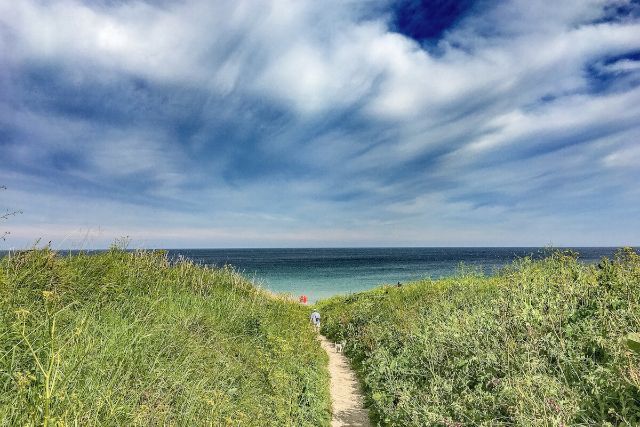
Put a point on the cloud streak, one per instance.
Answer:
(304, 123)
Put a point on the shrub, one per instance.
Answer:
(547, 342)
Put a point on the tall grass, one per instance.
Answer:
(128, 338)
(547, 343)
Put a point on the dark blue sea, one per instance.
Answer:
(320, 273)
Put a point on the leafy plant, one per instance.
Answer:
(633, 342)
(537, 344)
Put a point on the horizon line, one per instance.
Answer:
(333, 247)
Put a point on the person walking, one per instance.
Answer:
(315, 320)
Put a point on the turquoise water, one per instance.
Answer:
(321, 273)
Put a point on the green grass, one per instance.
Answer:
(547, 343)
(127, 338)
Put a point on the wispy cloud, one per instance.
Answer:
(322, 123)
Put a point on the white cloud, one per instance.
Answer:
(372, 117)
(559, 120)
(621, 66)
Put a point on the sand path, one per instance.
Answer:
(347, 400)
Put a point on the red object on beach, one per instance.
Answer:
(303, 299)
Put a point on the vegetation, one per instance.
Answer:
(5, 216)
(552, 342)
(129, 338)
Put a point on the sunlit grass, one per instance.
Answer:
(550, 342)
(124, 338)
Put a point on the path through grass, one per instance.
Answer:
(547, 342)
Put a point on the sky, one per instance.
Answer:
(305, 123)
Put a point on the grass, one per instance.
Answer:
(551, 343)
(129, 338)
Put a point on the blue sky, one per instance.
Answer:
(333, 123)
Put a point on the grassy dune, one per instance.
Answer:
(124, 338)
(542, 343)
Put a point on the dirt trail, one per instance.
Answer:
(347, 400)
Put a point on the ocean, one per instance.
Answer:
(321, 273)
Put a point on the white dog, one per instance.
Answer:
(340, 346)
